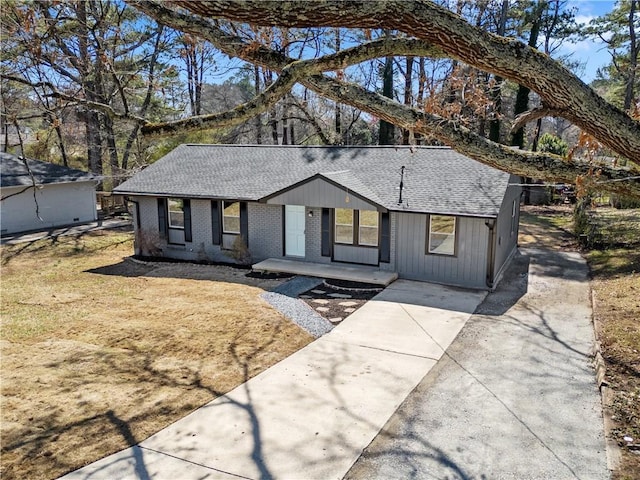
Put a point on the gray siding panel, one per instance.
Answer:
(319, 193)
(506, 237)
(313, 237)
(353, 254)
(467, 268)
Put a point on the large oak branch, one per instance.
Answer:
(509, 58)
(544, 166)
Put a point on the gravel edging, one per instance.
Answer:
(285, 299)
(299, 312)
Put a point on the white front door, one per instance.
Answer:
(294, 226)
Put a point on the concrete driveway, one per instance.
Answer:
(311, 415)
(515, 395)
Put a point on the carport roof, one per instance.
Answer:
(436, 179)
(15, 174)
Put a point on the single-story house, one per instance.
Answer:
(61, 196)
(425, 213)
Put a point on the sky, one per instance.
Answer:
(592, 52)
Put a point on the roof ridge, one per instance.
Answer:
(395, 147)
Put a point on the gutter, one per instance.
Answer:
(491, 253)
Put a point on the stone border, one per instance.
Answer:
(613, 450)
(356, 290)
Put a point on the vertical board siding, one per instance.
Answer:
(320, 193)
(467, 268)
(353, 254)
(508, 242)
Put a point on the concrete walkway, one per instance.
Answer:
(515, 395)
(311, 415)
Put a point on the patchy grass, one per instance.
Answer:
(548, 227)
(99, 352)
(615, 271)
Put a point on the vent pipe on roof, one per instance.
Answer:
(401, 184)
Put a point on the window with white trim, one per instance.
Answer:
(176, 213)
(231, 217)
(441, 237)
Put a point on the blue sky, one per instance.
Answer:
(592, 52)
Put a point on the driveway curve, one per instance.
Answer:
(514, 396)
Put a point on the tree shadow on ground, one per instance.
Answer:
(73, 245)
(130, 267)
(40, 444)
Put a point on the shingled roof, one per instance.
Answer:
(436, 179)
(13, 172)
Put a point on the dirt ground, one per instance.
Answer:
(99, 351)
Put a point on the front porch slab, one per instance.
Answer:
(353, 273)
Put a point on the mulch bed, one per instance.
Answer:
(337, 300)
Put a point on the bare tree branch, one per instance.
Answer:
(424, 20)
(530, 164)
(534, 114)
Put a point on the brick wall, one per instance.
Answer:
(265, 231)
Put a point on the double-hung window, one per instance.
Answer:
(231, 217)
(344, 225)
(368, 224)
(357, 227)
(441, 238)
(174, 220)
(176, 213)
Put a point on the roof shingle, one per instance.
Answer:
(436, 179)
(14, 173)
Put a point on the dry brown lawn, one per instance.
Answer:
(99, 352)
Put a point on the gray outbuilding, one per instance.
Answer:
(44, 195)
(426, 213)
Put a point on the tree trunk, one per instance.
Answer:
(408, 95)
(496, 92)
(258, 120)
(387, 134)
(633, 58)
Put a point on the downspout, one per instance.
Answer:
(137, 224)
(491, 252)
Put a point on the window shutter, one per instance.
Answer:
(244, 223)
(326, 242)
(137, 206)
(385, 238)
(163, 226)
(186, 209)
(215, 222)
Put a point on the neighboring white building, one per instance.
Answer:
(61, 196)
